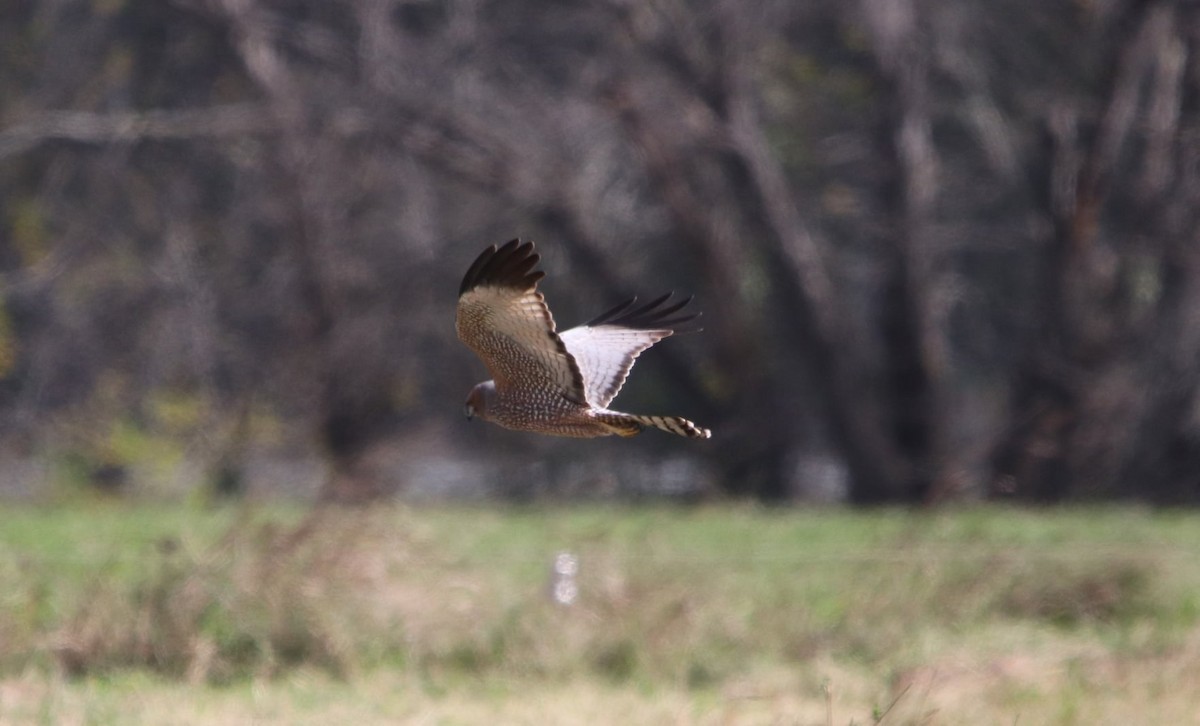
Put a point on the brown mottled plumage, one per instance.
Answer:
(546, 382)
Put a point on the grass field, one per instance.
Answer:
(126, 614)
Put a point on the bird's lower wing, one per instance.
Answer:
(605, 354)
(606, 347)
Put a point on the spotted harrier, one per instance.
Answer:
(548, 382)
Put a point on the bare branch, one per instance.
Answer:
(239, 119)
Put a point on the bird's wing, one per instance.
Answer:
(606, 347)
(504, 319)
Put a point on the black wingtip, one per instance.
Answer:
(612, 313)
(510, 265)
(654, 315)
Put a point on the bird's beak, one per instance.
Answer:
(470, 412)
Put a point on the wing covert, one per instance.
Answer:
(503, 318)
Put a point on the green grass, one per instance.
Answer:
(136, 613)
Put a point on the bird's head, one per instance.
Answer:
(477, 402)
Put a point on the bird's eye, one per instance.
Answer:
(469, 410)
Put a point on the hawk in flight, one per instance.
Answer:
(549, 382)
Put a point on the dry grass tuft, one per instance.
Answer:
(1068, 594)
(264, 599)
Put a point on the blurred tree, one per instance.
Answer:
(1103, 400)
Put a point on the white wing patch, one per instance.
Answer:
(605, 354)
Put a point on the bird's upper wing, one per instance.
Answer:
(504, 319)
(606, 347)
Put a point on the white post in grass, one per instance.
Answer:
(564, 587)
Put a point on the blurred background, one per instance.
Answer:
(945, 249)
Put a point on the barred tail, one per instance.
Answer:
(628, 424)
(676, 425)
